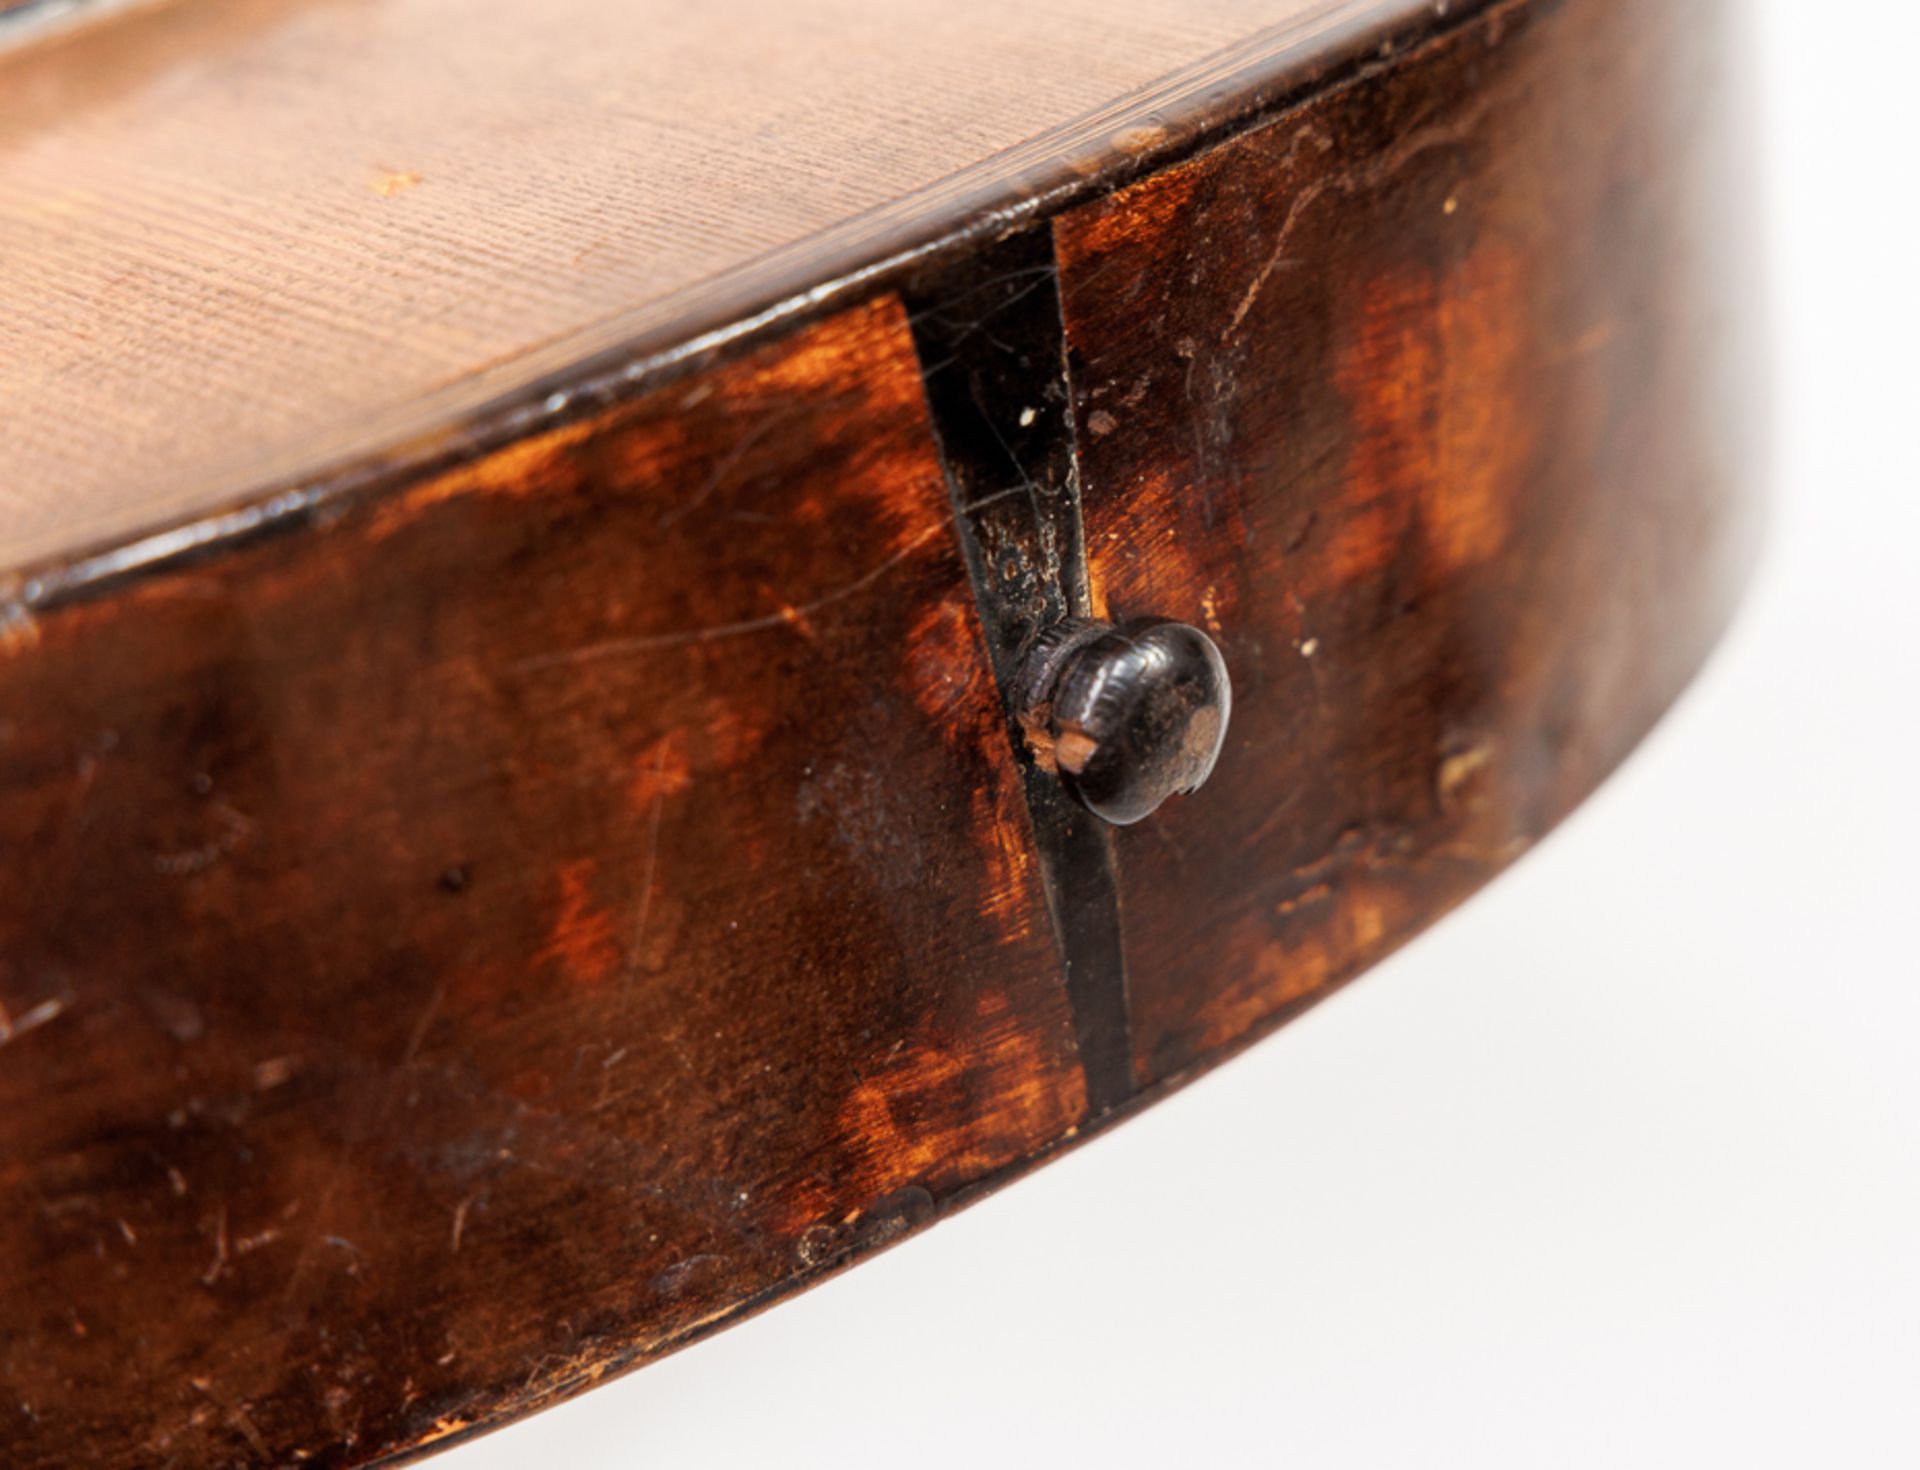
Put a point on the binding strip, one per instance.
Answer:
(992, 350)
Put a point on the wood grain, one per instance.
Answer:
(245, 238)
(480, 919)
(470, 949)
(1428, 401)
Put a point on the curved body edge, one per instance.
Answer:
(481, 929)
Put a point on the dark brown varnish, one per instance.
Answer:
(993, 358)
(1415, 397)
(483, 928)
(462, 951)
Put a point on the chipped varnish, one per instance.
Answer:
(570, 884)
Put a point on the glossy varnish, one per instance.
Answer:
(481, 953)
(579, 878)
(1425, 397)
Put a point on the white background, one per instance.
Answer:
(1618, 1166)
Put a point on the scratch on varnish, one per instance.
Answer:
(419, 1035)
(644, 909)
(460, 1221)
(791, 615)
(219, 1267)
(236, 1415)
(728, 463)
(617, 647)
(13, 1027)
(235, 826)
(364, 1125)
(1390, 163)
(606, 1077)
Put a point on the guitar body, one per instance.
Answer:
(524, 843)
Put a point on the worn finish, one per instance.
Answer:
(989, 335)
(351, 223)
(455, 953)
(1424, 396)
(475, 922)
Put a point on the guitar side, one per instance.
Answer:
(564, 883)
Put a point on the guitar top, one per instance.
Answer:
(245, 244)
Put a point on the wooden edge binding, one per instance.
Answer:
(1454, 484)
(992, 350)
(690, 331)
